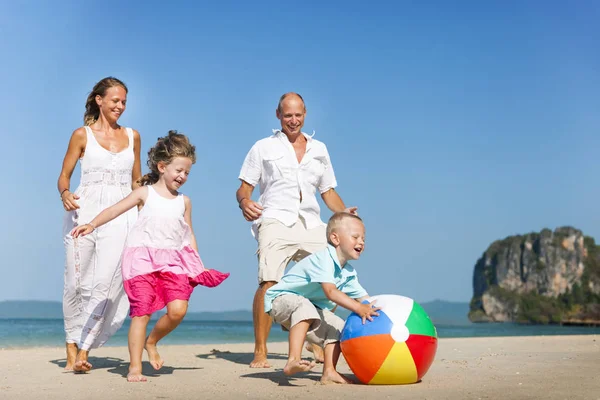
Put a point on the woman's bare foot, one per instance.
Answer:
(260, 361)
(82, 364)
(334, 377)
(155, 360)
(294, 366)
(317, 352)
(71, 356)
(135, 375)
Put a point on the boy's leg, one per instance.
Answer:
(295, 362)
(298, 315)
(176, 310)
(328, 336)
(137, 334)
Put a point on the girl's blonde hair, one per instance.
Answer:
(92, 112)
(165, 150)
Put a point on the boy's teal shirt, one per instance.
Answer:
(306, 276)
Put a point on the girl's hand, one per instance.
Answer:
(82, 230)
(68, 200)
(367, 312)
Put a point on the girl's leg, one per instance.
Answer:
(137, 333)
(332, 355)
(295, 363)
(176, 310)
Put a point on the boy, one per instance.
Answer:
(302, 301)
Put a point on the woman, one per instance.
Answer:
(94, 303)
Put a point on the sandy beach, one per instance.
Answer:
(544, 367)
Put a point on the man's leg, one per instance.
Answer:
(262, 326)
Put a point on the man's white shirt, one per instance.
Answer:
(272, 164)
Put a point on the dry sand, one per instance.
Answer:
(544, 367)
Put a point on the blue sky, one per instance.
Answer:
(449, 124)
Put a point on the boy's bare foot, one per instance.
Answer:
(71, 356)
(260, 361)
(334, 377)
(155, 360)
(135, 375)
(317, 352)
(295, 366)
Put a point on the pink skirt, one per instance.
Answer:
(152, 292)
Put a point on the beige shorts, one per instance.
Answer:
(289, 309)
(279, 244)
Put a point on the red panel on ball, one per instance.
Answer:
(423, 350)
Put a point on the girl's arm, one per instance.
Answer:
(135, 198)
(187, 216)
(74, 152)
(136, 172)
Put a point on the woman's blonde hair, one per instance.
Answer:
(165, 150)
(92, 112)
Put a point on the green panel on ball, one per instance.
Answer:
(419, 323)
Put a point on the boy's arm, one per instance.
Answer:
(365, 311)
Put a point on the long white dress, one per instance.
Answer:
(94, 302)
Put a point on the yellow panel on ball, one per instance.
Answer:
(398, 368)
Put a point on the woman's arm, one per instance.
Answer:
(136, 172)
(74, 152)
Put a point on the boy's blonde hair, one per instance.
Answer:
(336, 221)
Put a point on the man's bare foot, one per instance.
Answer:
(135, 375)
(295, 366)
(155, 360)
(260, 361)
(334, 377)
(71, 356)
(317, 352)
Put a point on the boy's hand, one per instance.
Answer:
(367, 312)
(82, 230)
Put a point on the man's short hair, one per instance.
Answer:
(337, 220)
(285, 95)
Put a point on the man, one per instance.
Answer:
(290, 166)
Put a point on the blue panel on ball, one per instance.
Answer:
(354, 327)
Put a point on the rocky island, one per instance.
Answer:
(545, 277)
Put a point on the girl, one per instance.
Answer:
(94, 303)
(160, 262)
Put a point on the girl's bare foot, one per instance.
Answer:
(155, 360)
(135, 375)
(294, 366)
(71, 356)
(334, 377)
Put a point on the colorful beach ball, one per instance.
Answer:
(397, 347)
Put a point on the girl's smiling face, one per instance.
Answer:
(175, 173)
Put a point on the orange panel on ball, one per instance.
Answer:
(366, 354)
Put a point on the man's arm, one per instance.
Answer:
(334, 202)
(250, 209)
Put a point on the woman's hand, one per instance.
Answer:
(68, 200)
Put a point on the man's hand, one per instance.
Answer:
(352, 210)
(250, 209)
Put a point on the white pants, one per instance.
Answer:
(94, 302)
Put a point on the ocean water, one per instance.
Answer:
(16, 333)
